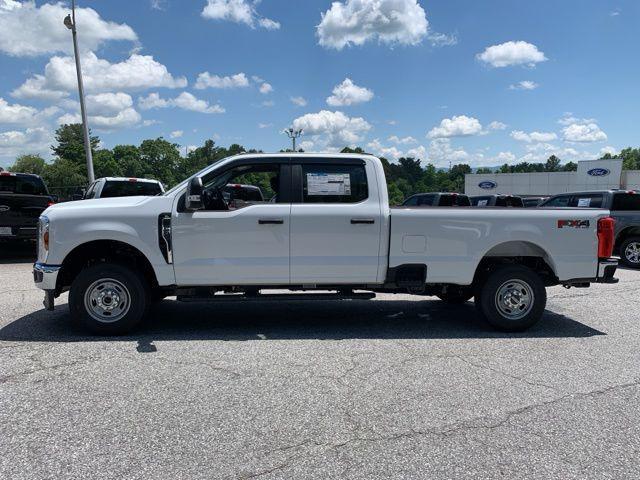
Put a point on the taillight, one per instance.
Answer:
(605, 237)
(49, 203)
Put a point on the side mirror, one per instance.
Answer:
(193, 200)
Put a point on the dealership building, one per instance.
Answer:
(591, 175)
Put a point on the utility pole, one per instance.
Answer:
(293, 134)
(70, 23)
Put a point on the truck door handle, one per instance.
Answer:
(270, 221)
(362, 221)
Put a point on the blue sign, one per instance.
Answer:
(487, 185)
(599, 172)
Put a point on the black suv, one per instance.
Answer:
(497, 201)
(23, 197)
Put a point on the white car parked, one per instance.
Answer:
(328, 226)
(109, 187)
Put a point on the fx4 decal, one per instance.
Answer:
(573, 223)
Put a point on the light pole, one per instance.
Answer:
(70, 23)
(293, 134)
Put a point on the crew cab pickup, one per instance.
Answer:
(437, 199)
(624, 206)
(109, 187)
(327, 227)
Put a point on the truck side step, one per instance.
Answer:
(278, 297)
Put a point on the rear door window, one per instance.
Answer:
(334, 183)
(411, 202)
(587, 200)
(626, 201)
(20, 185)
(129, 189)
(426, 200)
(561, 201)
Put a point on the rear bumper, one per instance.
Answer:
(606, 270)
(45, 276)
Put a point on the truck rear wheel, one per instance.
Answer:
(108, 299)
(512, 298)
(630, 252)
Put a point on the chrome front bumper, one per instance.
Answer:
(45, 276)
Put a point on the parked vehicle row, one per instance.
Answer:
(327, 227)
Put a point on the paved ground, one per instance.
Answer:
(393, 388)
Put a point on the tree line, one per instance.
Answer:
(161, 159)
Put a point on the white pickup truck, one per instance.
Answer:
(324, 224)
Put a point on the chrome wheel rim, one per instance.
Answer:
(514, 299)
(107, 300)
(632, 252)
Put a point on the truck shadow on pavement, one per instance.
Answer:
(295, 320)
(17, 252)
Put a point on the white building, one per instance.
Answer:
(591, 175)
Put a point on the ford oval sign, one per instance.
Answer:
(599, 172)
(488, 185)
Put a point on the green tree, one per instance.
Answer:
(552, 165)
(161, 160)
(65, 173)
(70, 143)
(570, 167)
(29, 164)
(105, 165)
(630, 158)
(396, 197)
(484, 171)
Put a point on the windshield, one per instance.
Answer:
(129, 189)
(26, 185)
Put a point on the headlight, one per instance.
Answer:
(43, 239)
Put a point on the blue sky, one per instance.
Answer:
(447, 81)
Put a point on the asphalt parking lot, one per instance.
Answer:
(396, 387)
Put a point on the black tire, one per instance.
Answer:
(627, 257)
(115, 282)
(522, 292)
(456, 296)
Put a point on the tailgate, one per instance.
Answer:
(20, 213)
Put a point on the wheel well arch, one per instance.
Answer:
(625, 233)
(519, 252)
(103, 251)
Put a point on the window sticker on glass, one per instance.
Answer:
(482, 203)
(328, 184)
(584, 202)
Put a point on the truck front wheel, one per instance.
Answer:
(108, 299)
(512, 298)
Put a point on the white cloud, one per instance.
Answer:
(265, 125)
(128, 117)
(348, 93)
(533, 137)
(354, 22)
(108, 103)
(307, 145)
(610, 150)
(512, 53)
(457, 126)
(185, 101)
(495, 125)
(18, 142)
(335, 129)
(441, 152)
(238, 11)
(524, 85)
(380, 150)
(206, 80)
(266, 88)
(583, 132)
(504, 157)
(402, 141)
(176, 134)
(158, 4)
(138, 72)
(442, 39)
(16, 114)
(28, 30)
(299, 101)
(268, 103)
(418, 152)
